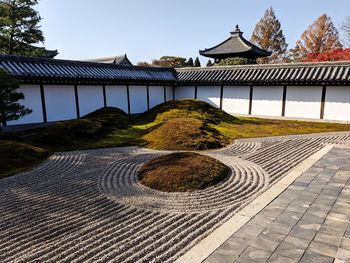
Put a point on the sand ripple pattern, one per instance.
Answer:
(245, 180)
(88, 206)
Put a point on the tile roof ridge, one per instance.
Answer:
(282, 65)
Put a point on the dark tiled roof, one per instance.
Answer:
(44, 69)
(236, 45)
(270, 74)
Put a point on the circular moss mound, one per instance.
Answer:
(184, 134)
(182, 172)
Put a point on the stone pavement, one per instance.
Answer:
(308, 222)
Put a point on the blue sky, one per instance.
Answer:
(148, 29)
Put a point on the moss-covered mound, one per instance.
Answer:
(179, 172)
(187, 108)
(184, 134)
(110, 117)
(186, 124)
(16, 157)
(70, 134)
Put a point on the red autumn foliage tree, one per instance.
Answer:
(337, 54)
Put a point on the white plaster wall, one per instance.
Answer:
(337, 103)
(90, 99)
(156, 95)
(303, 102)
(210, 94)
(169, 93)
(60, 102)
(32, 100)
(267, 100)
(116, 96)
(236, 99)
(138, 99)
(185, 92)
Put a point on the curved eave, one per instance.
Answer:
(247, 54)
(247, 50)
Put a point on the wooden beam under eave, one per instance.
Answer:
(221, 96)
(284, 100)
(43, 104)
(250, 99)
(128, 97)
(104, 96)
(147, 87)
(164, 93)
(323, 100)
(77, 100)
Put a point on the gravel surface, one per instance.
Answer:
(88, 206)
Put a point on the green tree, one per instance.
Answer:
(233, 61)
(10, 109)
(19, 28)
(197, 63)
(169, 61)
(209, 63)
(294, 54)
(269, 36)
(321, 36)
(189, 63)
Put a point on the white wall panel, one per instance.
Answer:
(337, 103)
(267, 100)
(210, 94)
(90, 99)
(236, 99)
(32, 100)
(116, 96)
(185, 92)
(60, 102)
(138, 99)
(156, 95)
(303, 102)
(169, 93)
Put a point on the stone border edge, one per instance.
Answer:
(214, 240)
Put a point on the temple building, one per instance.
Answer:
(235, 46)
(119, 60)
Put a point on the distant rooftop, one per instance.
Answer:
(235, 46)
(120, 60)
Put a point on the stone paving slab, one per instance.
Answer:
(308, 222)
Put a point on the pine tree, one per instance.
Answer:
(197, 63)
(189, 63)
(320, 37)
(19, 28)
(9, 108)
(269, 36)
(209, 64)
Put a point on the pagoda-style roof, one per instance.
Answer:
(235, 46)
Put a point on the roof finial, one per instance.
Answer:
(236, 31)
